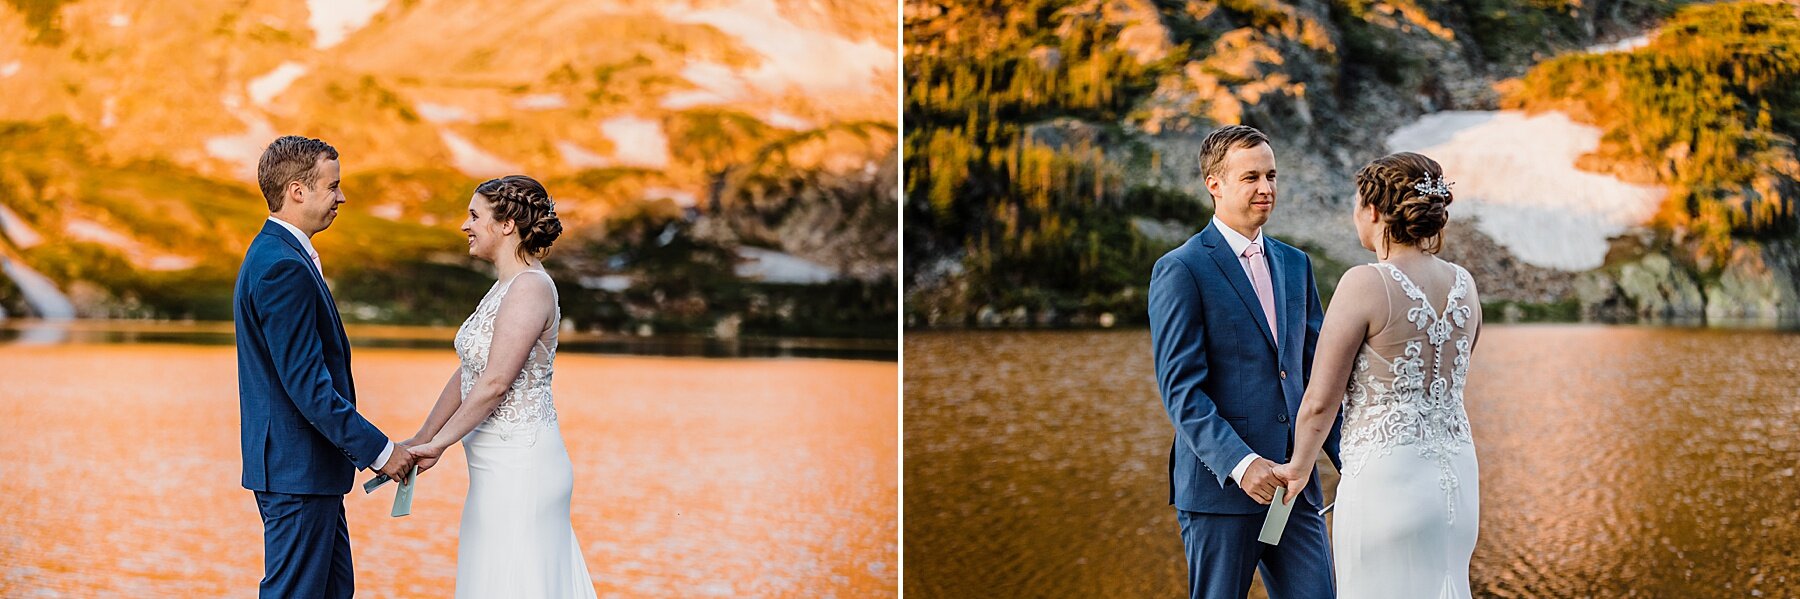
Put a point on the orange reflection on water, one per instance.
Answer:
(1615, 462)
(119, 473)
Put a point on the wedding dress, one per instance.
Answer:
(1409, 501)
(516, 538)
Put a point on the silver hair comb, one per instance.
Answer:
(1434, 187)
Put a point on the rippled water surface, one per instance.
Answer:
(1615, 462)
(119, 473)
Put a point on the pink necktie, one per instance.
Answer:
(316, 264)
(1259, 278)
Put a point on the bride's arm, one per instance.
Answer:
(1360, 301)
(524, 313)
(447, 401)
(1474, 299)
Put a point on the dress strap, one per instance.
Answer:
(1463, 278)
(1387, 292)
(515, 277)
(554, 295)
(555, 299)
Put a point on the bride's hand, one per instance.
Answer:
(1296, 476)
(426, 455)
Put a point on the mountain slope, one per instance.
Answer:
(1060, 138)
(154, 115)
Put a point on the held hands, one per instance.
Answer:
(399, 463)
(425, 453)
(1263, 476)
(1260, 481)
(1296, 476)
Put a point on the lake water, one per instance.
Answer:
(119, 470)
(1615, 462)
(42, 332)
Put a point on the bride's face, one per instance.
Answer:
(486, 237)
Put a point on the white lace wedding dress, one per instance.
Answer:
(516, 539)
(1409, 501)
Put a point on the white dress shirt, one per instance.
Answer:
(1238, 242)
(306, 244)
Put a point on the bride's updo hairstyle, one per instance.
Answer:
(524, 201)
(1409, 192)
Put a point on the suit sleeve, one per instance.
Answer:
(1315, 318)
(1178, 339)
(287, 308)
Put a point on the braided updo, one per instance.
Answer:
(524, 201)
(1391, 184)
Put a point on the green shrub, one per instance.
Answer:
(1711, 109)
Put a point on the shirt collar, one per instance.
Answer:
(295, 231)
(1236, 240)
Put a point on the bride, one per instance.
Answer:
(1394, 352)
(516, 539)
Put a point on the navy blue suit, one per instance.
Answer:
(301, 436)
(1230, 388)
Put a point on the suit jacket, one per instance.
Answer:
(300, 432)
(1228, 387)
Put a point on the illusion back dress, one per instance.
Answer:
(516, 538)
(1409, 501)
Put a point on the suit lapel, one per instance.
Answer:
(1234, 274)
(287, 238)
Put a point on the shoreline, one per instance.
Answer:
(32, 331)
(1693, 325)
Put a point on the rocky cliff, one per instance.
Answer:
(1331, 82)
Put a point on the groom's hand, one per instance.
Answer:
(1260, 481)
(399, 464)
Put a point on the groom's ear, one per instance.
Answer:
(293, 191)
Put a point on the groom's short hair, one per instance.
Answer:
(1222, 140)
(290, 158)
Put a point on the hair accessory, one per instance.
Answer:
(1434, 187)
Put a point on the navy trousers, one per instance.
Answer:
(1223, 554)
(306, 546)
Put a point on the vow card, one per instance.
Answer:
(403, 497)
(1277, 519)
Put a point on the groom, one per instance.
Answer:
(301, 435)
(1234, 317)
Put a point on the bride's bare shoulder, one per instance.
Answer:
(1458, 272)
(1362, 277)
(1362, 286)
(529, 291)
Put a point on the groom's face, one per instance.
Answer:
(1243, 190)
(318, 204)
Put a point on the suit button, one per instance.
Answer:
(1281, 418)
(1284, 375)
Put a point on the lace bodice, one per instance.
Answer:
(1406, 390)
(528, 403)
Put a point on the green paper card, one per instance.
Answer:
(403, 497)
(1277, 519)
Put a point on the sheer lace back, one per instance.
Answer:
(1406, 390)
(528, 404)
